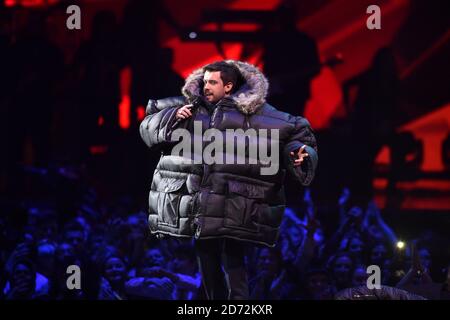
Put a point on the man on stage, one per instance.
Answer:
(224, 204)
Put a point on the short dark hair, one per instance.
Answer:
(228, 73)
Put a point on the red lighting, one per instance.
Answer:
(125, 103)
(231, 27)
(326, 98)
(100, 121)
(124, 112)
(140, 113)
(98, 149)
(10, 3)
(29, 3)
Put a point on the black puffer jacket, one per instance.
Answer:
(223, 200)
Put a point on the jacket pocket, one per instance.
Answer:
(169, 193)
(243, 204)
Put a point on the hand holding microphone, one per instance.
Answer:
(184, 112)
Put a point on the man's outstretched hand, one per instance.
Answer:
(299, 156)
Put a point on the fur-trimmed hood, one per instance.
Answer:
(249, 97)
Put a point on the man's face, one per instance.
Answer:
(214, 88)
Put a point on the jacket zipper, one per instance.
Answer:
(202, 183)
(205, 167)
(247, 123)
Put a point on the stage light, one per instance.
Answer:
(400, 245)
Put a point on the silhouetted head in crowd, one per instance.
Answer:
(359, 277)
(74, 234)
(42, 224)
(154, 258)
(295, 236)
(379, 253)
(317, 284)
(85, 225)
(65, 252)
(65, 256)
(382, 255)
(184, 260)
(136, 224)
(46, 258)
(341, 267)
(23, 279)
(355, 215)
(374, 233)
(270, 261)
(356, 246)
(115, 270)
(424, 255)
(425, 258)
(95, 241)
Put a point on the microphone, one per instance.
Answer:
(196, 102)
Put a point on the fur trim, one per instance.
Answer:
(250, 96)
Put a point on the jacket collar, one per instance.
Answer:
(250, 96)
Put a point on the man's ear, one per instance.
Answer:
(228, 87)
